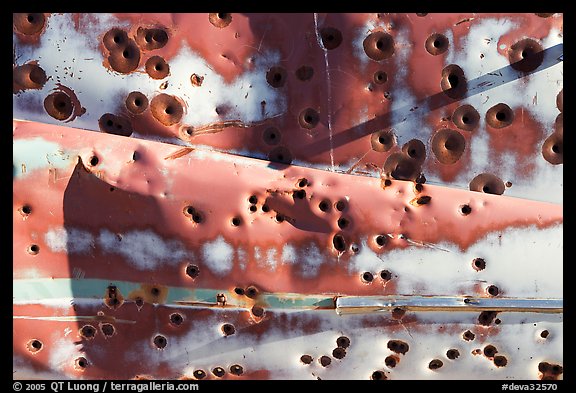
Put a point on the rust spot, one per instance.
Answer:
(116, 125)
(448, 146)
(199, 374)
(280, 154)
(228, 329)
(391, 361)
(107, 329)
(157, 67)
(28, 76)
(490, 351)
(401, 167)
(87, 331)
(59, 105)
(339, 242)
(378, 375)
(113, 298)
(435, 364)
(398, 313)
(453, 82)
(309, 118)
(304, 73)
(492, 290)
(343, 342)
(466, 117)
(166, 109)
(271, 136)
(34, 346)
(251, 292)
(415, 149)
(380, 77)
(28, 24)
(553, 149)
(526, 55)
(176, 319)
(452, 354)
(276, 76)
(544, 333)
(33, 249)
(500, 361)
(487, 317)
(499, 116)
(160, 341)
(468, 335)
(465, 209)
(151, 38)
(136, 103)
(220, 19)
(325, 361)
(306, 359)
(236, 369)
(385, 275)
(257, 311)
(331, 37)
(487, 183)
(379, 45)
(436, 44)
(560, 100)
(478, 264)
(398, 346)
(382, 141)
(339, 353)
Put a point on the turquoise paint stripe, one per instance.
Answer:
(31, 290)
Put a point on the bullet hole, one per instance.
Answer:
(497, 321)
(194, 214)
(136, 103)
(379, 45)
(398, 346)
(490, 351)
(354, 248)
(251, 292)
(452, 354)
(544, 367)
(436, 44)
(385, 275)
(28, 24)
(221, 299)
(160, 341)
(253, 199)
(331, 37)
(28, 76)
(478, 264)
(220, 19)
(508, 184)
(423, 200)
(236, 369)
(487, 183)
(400, 166)
(257, 311)
(139, 302)
(124, 55)
(382, 141)
(279, 218)
(324, 205)
(493, 290)
(341, 205)
(421, 14)
(343, 342)
(435, 364)
(544, 333)
(556, 369)
(338, 353)
(276, 77)
(343, 222)
(308, 118)
(367, 277)
(113, 299)
(25, 210)
(280, 154)
(398, 313)
(560, 100)
(466, 117)
(114, 39)
(59, 105)
(391, 361)
(236, 221)
(378, 375)
(302, 182)
(176, 319)
(553, 149)
(500, 361)
(151, 38)
(465, 210)
(486, 317)
(381, 240)
(107, 329)
(80, 363)
(265, 208)
(304, 73)
(306, 359)
(468, 335)
(448, 146)
(88, 332)
(33, 249)
(34, 345)
(339, 243)
(228, 329)
(253, 208)
(526, 55)
(199, 374)
(415, 149)
(453, 82)
(499, 116)
(166, 109)
(157, 68)
(380, 77)
(239, 291)
(299, 194)
(192, 271)
(325, 361)
(272, 136)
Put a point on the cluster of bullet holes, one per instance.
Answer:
(368, 277)
(549, 371)
(28, 23)
(34, 346)
(113, 298)
(490, 351)
(398, 346)
(342, 343)
(487, 317)
(193, 214)
(117, 125)
(151, 38)
(253, 200)
(166, 109)
(437, 44)
(220, 19)
(448, 146)
(80, 363)
(378, 45)
(499, 116)
(28, 76)
(124, 54)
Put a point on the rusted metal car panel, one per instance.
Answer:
(299, 196)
